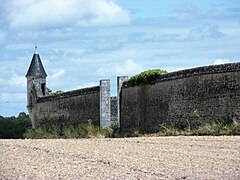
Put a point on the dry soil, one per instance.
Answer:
(128, 158)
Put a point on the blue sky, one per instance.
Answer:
(83, 41)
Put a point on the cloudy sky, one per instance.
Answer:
(82, 41)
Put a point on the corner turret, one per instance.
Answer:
(36, 82)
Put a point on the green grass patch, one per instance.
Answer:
(88, 130)
(42, 133)
(215, 128)
(20, 127)
(218, 128)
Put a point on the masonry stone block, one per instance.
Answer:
(105, 103)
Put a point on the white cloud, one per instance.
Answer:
(103, 72)
(13, 97)
(129, 67)
(55, 79)
(65, 13)
(221, 61)
(57, 73)
(206, 31)
(86, 85)
(17, 80)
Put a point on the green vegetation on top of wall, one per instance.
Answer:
(146, 77)
(54, 92)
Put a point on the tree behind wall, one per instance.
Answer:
(14, 127)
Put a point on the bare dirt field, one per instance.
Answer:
(130, 158)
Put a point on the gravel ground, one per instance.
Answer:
(130, 158)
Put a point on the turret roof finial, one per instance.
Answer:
(36, 51)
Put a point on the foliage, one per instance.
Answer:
(42, 133)
(115, 131)
(88, 130)
(218, 128)
(223, 126)
(49, 90)
(20, 127)
(54, 92)
(58, 92)
(146, 77)
(14, 127)
(82, 131)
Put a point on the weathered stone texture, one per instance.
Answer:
(114, 107)
(120, 81)
(105, 103)
(183, 98)
(72, 107)
(35, 90)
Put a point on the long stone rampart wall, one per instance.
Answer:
(73, 107)
(185, 99)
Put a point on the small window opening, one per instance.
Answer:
(43, 88)
(30, 98)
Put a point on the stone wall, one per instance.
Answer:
(71, 107)
(114, 108)
(184, 98)
(120, 81)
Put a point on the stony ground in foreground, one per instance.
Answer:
(129, 158)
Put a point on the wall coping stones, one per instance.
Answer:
(211, 69)
(90, 90)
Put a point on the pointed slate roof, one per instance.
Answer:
(36, 67)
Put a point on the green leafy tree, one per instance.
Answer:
(14, 127)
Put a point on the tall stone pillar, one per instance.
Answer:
(120, 80)
(105, 103)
